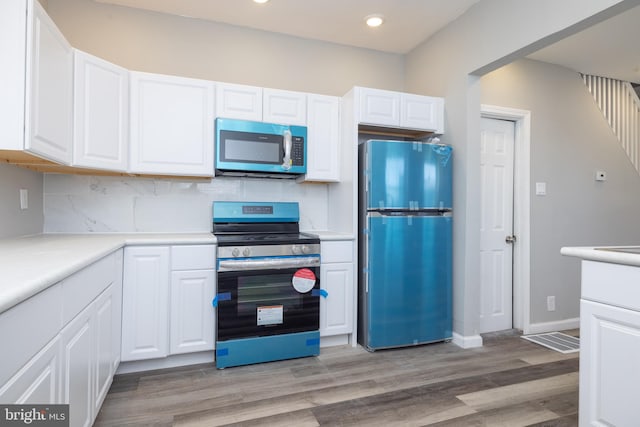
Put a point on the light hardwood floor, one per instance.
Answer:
(508, 382)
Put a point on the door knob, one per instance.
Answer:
(510, 239)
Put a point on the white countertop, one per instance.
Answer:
(30, 264)
(330, 235)
(603, 254)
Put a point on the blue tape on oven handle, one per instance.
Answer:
(225, 296)
(319, 293)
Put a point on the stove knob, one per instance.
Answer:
(246, 252)
(305, 249)
(295, 250)
(235, 252)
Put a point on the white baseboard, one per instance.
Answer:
(470, 341)
(334, 340)
(166, 362)
(559, 325)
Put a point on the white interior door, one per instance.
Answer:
(496, 253)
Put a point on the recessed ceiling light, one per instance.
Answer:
(260, 1)
(374, 20)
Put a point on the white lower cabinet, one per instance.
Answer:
(145, 296)
(107, 320)
(336, 277)
(79, 361)
(609, 354)
(192, 316)
(609, 344)
(167, 301)
(39, 380)
(77, 365)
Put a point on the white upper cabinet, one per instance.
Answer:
(285, 107)
(101, 114)
(238, 102)
(36, 81)
(50, 92)
(379, 107)
(172, 121)
(422, 112)
(402, 110)
(261, 105)
(323, 138)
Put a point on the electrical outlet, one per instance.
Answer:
(551, 303)
(24, 198)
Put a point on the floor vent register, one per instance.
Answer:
(557, 341)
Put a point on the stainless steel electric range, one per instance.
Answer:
(267, 303)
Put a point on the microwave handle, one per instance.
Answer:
(286, 161)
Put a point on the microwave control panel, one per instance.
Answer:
(297, 151)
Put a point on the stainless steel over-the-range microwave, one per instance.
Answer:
(246, 148)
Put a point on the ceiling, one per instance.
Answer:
(610, 49)
(407, 22)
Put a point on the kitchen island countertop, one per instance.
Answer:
(30, 264)
(627, 255)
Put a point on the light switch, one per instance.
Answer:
(541, 188)
(24, 198)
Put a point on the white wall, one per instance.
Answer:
(74, 203)
(159, 43)
(166, 44)
(492, 33)
(13, 220)
(570, 140)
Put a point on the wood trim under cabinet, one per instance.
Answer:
(394, 132)
(38, 164)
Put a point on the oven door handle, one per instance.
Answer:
(267, 264)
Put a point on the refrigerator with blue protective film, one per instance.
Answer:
(405, 243)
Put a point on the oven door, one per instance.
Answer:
(255, 303)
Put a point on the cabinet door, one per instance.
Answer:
(336, 310)
(13, 47)
(323, 138)
(609, 354)
(239, 102)
(192, 315)
(422, 112)
(145, 299)
(379, 107)
(117, 310)
(285, 107)
(79, 364)
(105, 352)
(101, 113)
(38, 381)
(49, 91)
(172, 122)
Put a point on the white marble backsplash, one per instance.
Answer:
(82, 204)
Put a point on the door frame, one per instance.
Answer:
(521, 209)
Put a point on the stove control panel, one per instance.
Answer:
(268, 250)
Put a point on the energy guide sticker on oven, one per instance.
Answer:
(270, 315)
